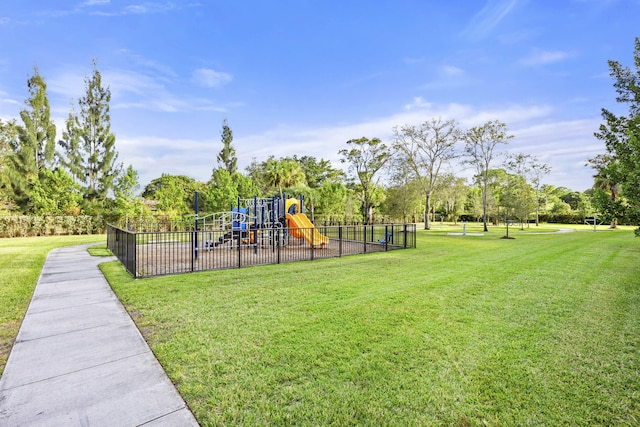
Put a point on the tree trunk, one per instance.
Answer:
(484, 208)
(614, 197)
(537, 209)
(427, 208)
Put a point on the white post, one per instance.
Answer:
(464, 228)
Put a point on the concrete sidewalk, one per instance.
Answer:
(79, 359)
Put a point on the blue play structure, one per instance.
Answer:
(249, 222)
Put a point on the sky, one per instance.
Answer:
(302, 77)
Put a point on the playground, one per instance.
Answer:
(256, 231)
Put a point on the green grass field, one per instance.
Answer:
(540, 330)
(21, 260)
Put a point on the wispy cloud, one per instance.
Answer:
(543, 57)
(417, 103)
(208, 77)
(108, 9)
(447, 76)
(95, 2)
(488, 18)
(148, 7)
(451, 71)
(161, 71)
(7, 100)
(132, 90)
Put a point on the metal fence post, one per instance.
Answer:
(405, 235)
(364, 237)
(277, 243)
(386, 238)
(194, 249)
(239, 233)
(135, 255)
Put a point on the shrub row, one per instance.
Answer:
(30, 225)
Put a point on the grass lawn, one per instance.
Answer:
(21, 260)
(540, 330)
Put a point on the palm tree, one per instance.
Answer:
(284, 173)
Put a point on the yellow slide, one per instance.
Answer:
(301, 227)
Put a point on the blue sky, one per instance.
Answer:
(303, 77)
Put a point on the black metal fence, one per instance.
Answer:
(147, 253)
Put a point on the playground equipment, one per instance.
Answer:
(593, 220)
(301, 227)
(254, 232)
(261, 222)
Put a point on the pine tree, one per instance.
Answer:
(89, 144)
(227, 157)
(8, 134)
(34, 147)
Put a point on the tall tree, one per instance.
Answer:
(89, 144)
(537, 171)
(480, 149)
(227, 156)
(425, 148)
(38, 131)
(519, 164)
(621, 134)
(8, 136)
(34, 147)
(365, 158)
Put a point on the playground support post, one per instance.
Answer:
(255, 224)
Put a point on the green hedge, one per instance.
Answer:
(29, 225)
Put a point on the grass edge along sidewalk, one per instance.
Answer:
(543, 329)
(21, 260)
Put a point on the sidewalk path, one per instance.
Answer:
(79, 359)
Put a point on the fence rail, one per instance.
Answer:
(147, 253)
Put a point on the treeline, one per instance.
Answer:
(331, 195)
(75, 178)
(45, 183)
